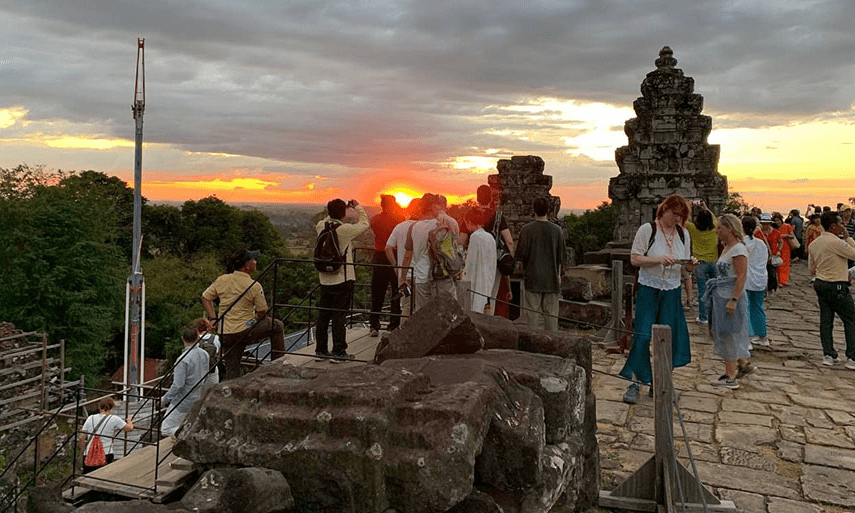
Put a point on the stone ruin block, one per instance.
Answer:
(439, 327)
(599, 276)
(407, 434)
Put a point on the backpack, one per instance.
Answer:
(653, 236)
(96, 457)
(206, 343)
(446, 258)
(327, 255)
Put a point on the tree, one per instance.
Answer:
(60, 269)
(736, 203)
(591, 230)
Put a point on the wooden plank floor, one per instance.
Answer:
(359, 344)
(133, 475)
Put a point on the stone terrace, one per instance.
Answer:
(784, 442)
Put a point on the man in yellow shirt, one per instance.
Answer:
(245, 322)
(827, 257)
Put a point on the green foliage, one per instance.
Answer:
(60, 270)
(591, 230)
(173, 290)
(736, 203)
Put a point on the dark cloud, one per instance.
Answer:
(366, 85)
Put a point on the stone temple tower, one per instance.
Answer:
(667, 153)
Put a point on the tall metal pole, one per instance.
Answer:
(134, 356)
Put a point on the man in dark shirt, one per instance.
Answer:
(383, 273)
(541, 251)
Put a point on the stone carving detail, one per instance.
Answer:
(668, 151)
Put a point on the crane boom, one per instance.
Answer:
(135, 293)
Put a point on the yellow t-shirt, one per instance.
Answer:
(228, 287)
(704, 244)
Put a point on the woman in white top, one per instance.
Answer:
(480, 268)
(755, 285)
(728, 302)
(106, 426)
(660, 256)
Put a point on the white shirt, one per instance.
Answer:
(659, 276)
(108, 428)
(480, 268)
(758, 254)
(419, 241)
(398, 238)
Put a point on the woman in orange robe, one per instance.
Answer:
(787, 233)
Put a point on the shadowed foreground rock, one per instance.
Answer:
(234, 490)
(416, 435)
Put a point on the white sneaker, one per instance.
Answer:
(850, 364)
(828, 361)
(763, 341)
(699, 321)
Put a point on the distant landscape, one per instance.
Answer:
(296, 221)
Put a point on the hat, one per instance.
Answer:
(844, 208)
(765, 218)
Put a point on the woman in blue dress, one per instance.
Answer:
(728, 302)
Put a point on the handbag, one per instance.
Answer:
(504, 259)
(794, 242)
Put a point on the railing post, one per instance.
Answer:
(614, 329)
(663, 414)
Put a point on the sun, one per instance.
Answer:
(403, 195)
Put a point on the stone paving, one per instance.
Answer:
(784, 442)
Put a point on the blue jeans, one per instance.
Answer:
(703, 272)
(756, 313)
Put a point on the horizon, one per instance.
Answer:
(270, 102)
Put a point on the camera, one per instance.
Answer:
(404, 290)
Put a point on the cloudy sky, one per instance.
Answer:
(303, 101)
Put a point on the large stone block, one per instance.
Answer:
(599, 276)
(511, 457)
(439, 327)
(367, 438)
(497, 332)
(559, 344)
(576, 289)
(240, 490)
(596, 313)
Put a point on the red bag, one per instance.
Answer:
(95, 457)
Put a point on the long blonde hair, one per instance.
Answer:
(732, 223)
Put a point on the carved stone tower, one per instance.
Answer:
(668, 151)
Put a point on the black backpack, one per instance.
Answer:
(653, 236)
(327, 255)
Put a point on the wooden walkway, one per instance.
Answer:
(359, 344)
(133, 476)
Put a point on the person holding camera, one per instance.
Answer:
(660, 249)
(350, 220)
